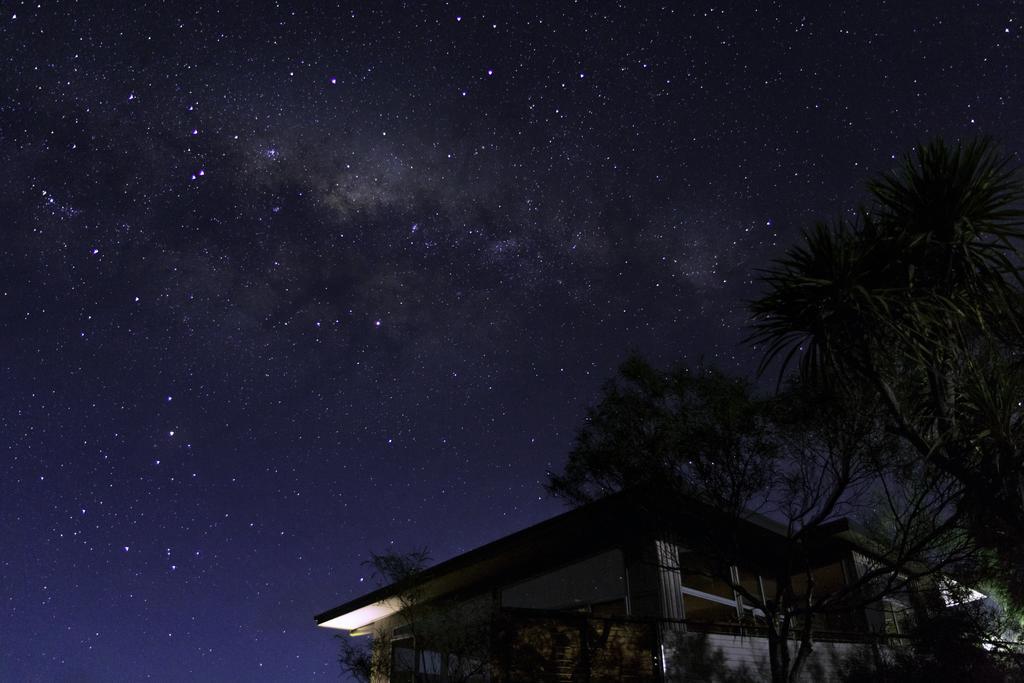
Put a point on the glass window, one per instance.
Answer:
(404, 663)
(707, 610)
(644, 587)
(707, 595)
(752, 607)
(752, 584)
(897, 616)
(829, 578)
(701, 574)
(770, 588)
(595, 584)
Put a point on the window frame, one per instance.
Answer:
(737, 602)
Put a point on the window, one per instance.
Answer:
(828, 578)
(707, 597)
(770, 589)
(897, 616)
(404, 664)
(429, 668)
(597, 585)
(751, 583)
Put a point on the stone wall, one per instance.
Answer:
(552, 649)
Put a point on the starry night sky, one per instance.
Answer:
(281, 285)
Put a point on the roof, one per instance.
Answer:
(553, 542)
(513, 556)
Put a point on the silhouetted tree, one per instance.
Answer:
(917, 302)
(971, 640)
(357, 658)
(369, 660)
(456, 631)
(805, 458)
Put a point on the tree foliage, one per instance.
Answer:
(917, 301)
(366, 660)
(653, 429)
(903, 322)
(971, 640)
(804, 458)
(440, 632)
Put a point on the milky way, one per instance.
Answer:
(280, 286)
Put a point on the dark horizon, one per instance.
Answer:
(284, 286)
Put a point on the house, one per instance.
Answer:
(603, 593)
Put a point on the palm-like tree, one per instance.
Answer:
(920, 299)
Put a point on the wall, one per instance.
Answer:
(721, 658)
(557, 648)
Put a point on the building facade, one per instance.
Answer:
(602, 593)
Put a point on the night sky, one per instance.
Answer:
(281, 285)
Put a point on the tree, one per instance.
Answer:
(803, 458)
(917, 302)
(448, 638)
(364, 661)
(359, 660)
(971, 640)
